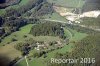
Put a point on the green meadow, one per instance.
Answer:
(18, 35)
(55, 16)
(67, 3)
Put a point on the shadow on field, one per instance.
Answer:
(4, 61)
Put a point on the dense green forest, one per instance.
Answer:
(49, 29)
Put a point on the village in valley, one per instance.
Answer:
(34, 31)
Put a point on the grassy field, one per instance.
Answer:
(68, 33)
(23, 2)
(2, 12)
(10, 51)
(77, 36)
(67, 3)
(67, 48)
(44, 38)
(55, 16)
(17, 35)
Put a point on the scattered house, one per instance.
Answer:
(41, 46)
(77, 22)
(45, 45)
(59, 42)
(70, 22)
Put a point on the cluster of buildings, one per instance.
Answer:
(46, 45)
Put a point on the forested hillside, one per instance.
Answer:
(48, 29)
(91, 5)
(92, 22)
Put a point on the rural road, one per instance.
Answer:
(25, 57)
(19, 61)
(72, 24)
(26, 60)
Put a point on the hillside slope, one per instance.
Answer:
(91, 5)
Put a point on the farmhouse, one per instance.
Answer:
(41, 46)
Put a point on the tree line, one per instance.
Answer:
(48, 29)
